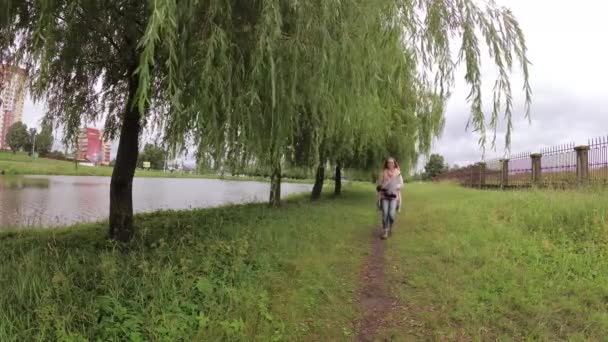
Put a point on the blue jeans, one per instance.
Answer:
(389, 211)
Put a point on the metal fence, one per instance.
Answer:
(598, 160)
(520, 170)
(493, 172)
(559, 166)
(467, 175)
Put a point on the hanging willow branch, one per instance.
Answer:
(438, 22)
(259, 79)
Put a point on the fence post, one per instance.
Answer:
(582, 165)
(504, 176)
(536, 168)
(471, 172)
(482, 174)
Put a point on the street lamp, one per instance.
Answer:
(33, 132)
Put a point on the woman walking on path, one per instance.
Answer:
(389, 187)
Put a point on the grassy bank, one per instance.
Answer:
(238, 273)
(483, 265)
(22, 164)
(463, 265)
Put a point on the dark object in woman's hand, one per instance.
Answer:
(378, 188)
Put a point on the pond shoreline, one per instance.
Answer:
(196, 270)
(55, 201)
(21, 165)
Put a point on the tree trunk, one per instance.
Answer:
(76, 155)
(338, 180)
(275, 186)
(121, 186)
(319, 178)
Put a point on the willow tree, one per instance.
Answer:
(105, 60)
(391, 75)
(235, 74)
(381, 100)
(407, 54)
(70, 49)
(341, 97)
(409, 135)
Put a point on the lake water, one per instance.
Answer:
(61, 200)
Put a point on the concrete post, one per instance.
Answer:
(536, 168)
(582, 165)
(504, 177)
(482, 174)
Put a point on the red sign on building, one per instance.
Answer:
(94, 153)
(92, 148)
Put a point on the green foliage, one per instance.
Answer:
(61, 42)
(153, 154)
(17, 136)
(44, 139)
(29, 142)
(434, 166)
(239, 273)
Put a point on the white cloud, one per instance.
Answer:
(32, 112)
(565, 42)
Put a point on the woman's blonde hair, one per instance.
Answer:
(389, 159)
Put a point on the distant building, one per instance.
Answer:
(12, 97)
(92, 148)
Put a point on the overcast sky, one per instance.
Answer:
(568, 49)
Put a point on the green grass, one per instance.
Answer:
(238, 273)
(489, 265)
(22, 164)
(465, 265)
